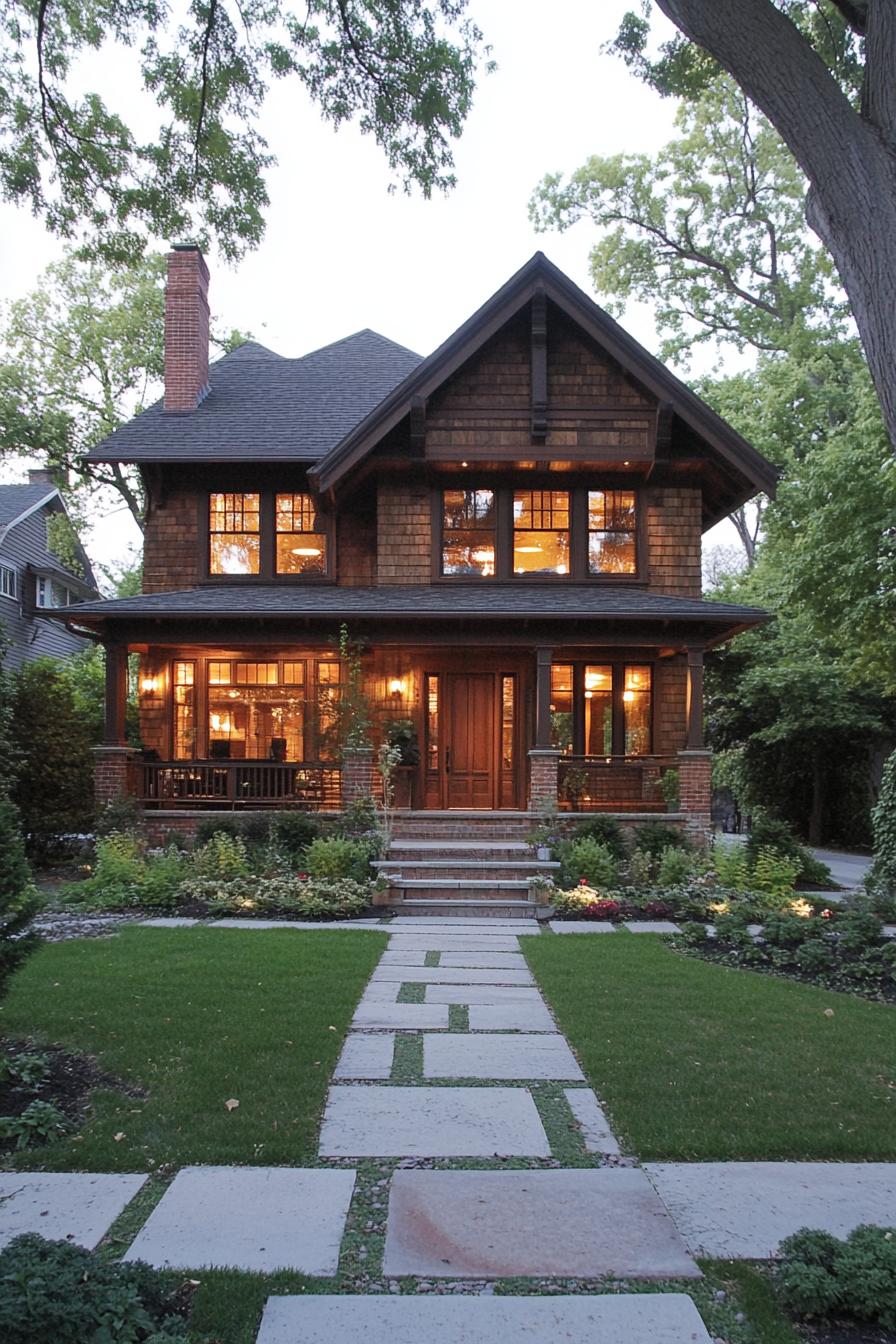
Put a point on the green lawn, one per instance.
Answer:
(696, 1062)
(196, 1017)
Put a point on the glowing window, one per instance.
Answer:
(599, 710)
(611, 532)
(561, 707)
(541, 532)
(301, 541)
(468, 533)
(234, 526)
(636, 698)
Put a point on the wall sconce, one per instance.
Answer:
(396, 687)
(149, 685)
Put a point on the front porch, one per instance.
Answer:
(615, 729)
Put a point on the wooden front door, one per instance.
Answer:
(470, 740)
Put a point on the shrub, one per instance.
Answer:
(312, 898)
(293, 832)
(209, 827)
(55, 1293)
(693, 934)
(119, 814)
(769, 833)
(359, 818)
(606, 831)
(222, 856)
(53, 735)
(675, 866)
(162, 876)
(774, 873)
(40, 1120)
(820, 1276)
(815, 957)
(587, 858)
(654, 836)
(782, 929)
(857, 931)
(18, 900)
(26, 1070)
(118, 874)
(640, 868)
(882, 877)
(336, 856)
(731, 866)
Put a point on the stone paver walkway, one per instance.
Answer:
(453, 1057)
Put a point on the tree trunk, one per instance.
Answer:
(849, 158)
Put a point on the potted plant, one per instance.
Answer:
(402, 734)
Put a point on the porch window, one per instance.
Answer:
(253, 713)
(541, 532)
(469, 533)
(599, 710)
(301, 541)
(561, 707)
(636, 710)
(432, 723)
(328, 678)
(183, 677)
(611, 532)
(234, 533)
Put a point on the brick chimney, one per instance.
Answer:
(186, 328)
(40, 476)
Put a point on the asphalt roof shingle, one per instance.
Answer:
(566, 602)
(18, 499)
(263, 407)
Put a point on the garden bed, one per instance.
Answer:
(69, 1080)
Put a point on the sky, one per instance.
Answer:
(340, 253)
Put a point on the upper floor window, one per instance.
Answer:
(541, 532)
(234, 526)
(469, 532)
(266, 534)
(50, 593)
(611, 532)
(7, 582)
(507, 534)
(301, 541)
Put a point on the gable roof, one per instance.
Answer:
(539, 275)
(262, 407)
(18, 501)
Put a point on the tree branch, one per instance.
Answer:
(203, 92)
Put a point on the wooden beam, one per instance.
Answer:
(543, 698)
(114, 734)
(539, 365)
(418, 426)
(695, 698)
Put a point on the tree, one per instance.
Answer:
(18, 902)
(405, 70)
(81, 354)
(822, 73)
(711, 233)
(53, 734)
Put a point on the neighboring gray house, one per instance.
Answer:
(33, 579)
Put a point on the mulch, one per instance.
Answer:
(842, 1332)
(71, 1080)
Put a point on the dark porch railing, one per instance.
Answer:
(313, 786)
(604, 783)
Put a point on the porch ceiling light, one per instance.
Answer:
(305, 550)
(529, 550)
(483, 557)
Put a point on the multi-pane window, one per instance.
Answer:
(183, 684)
(561, 707)
(601, 709)
(234, 533)
(598, 710)
(469, 533)
(301, 541)
(272, 710)
(541, 532)
(636, 710)
(611, 532)
(7, 582)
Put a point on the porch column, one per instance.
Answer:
(543, 699)
(116, 695)
(695, 699)
(112, 759)
(695, 787)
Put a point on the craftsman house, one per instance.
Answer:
(43, 567)
(511, 526)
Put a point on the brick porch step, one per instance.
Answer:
(466, 909)
(465, 870)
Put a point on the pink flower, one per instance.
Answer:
(583, 881)
(303, 877)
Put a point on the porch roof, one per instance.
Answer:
(439, 602)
